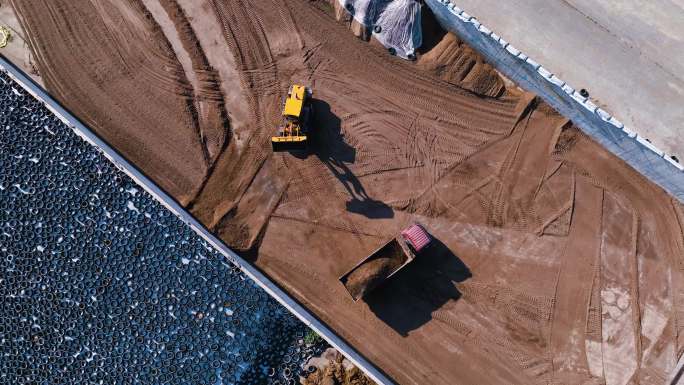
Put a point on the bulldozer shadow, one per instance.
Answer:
(407, 300)
(336, 154)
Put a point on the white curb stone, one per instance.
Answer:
(555, 80)
(674, 163)
(544, 72)
(514, 51)
(648, 144)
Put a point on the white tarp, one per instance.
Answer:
(394, 23)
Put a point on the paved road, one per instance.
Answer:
(629, 54)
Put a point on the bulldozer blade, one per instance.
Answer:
(282, 146)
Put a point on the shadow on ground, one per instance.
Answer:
(407, 300)
(329, 146)
(433, 32)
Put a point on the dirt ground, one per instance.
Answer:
(556, 263)
(17, 49)
(331, 368)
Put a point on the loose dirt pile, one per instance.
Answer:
(457, 63)
(370, 274)
(577, 261)
(333, 369)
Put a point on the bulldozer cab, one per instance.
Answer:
(293, 134)
(294, 104)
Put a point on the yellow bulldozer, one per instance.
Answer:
(293, 135)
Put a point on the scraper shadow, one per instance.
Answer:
(407, 300)
(335, 153)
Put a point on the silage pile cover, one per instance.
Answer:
(398, 22)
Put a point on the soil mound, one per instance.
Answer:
(334, 369)
(369, 275)
(458, 64)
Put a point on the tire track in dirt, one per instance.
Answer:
(523, 108)
(594, 328)
(678, 308)
(655, 250)
(123, 44)
(524, 317)
(619, 302)
(399, 79)
(168, 28)
(571, 301)
(315, 194)
(208, 97)
(524, 173)
(413, 141)
(234, 171)
(334, 295)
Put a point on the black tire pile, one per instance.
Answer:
(100, 284)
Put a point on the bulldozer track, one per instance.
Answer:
(504, 349)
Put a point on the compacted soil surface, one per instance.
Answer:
(555, 261)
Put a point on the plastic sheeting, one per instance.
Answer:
(394, 23)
